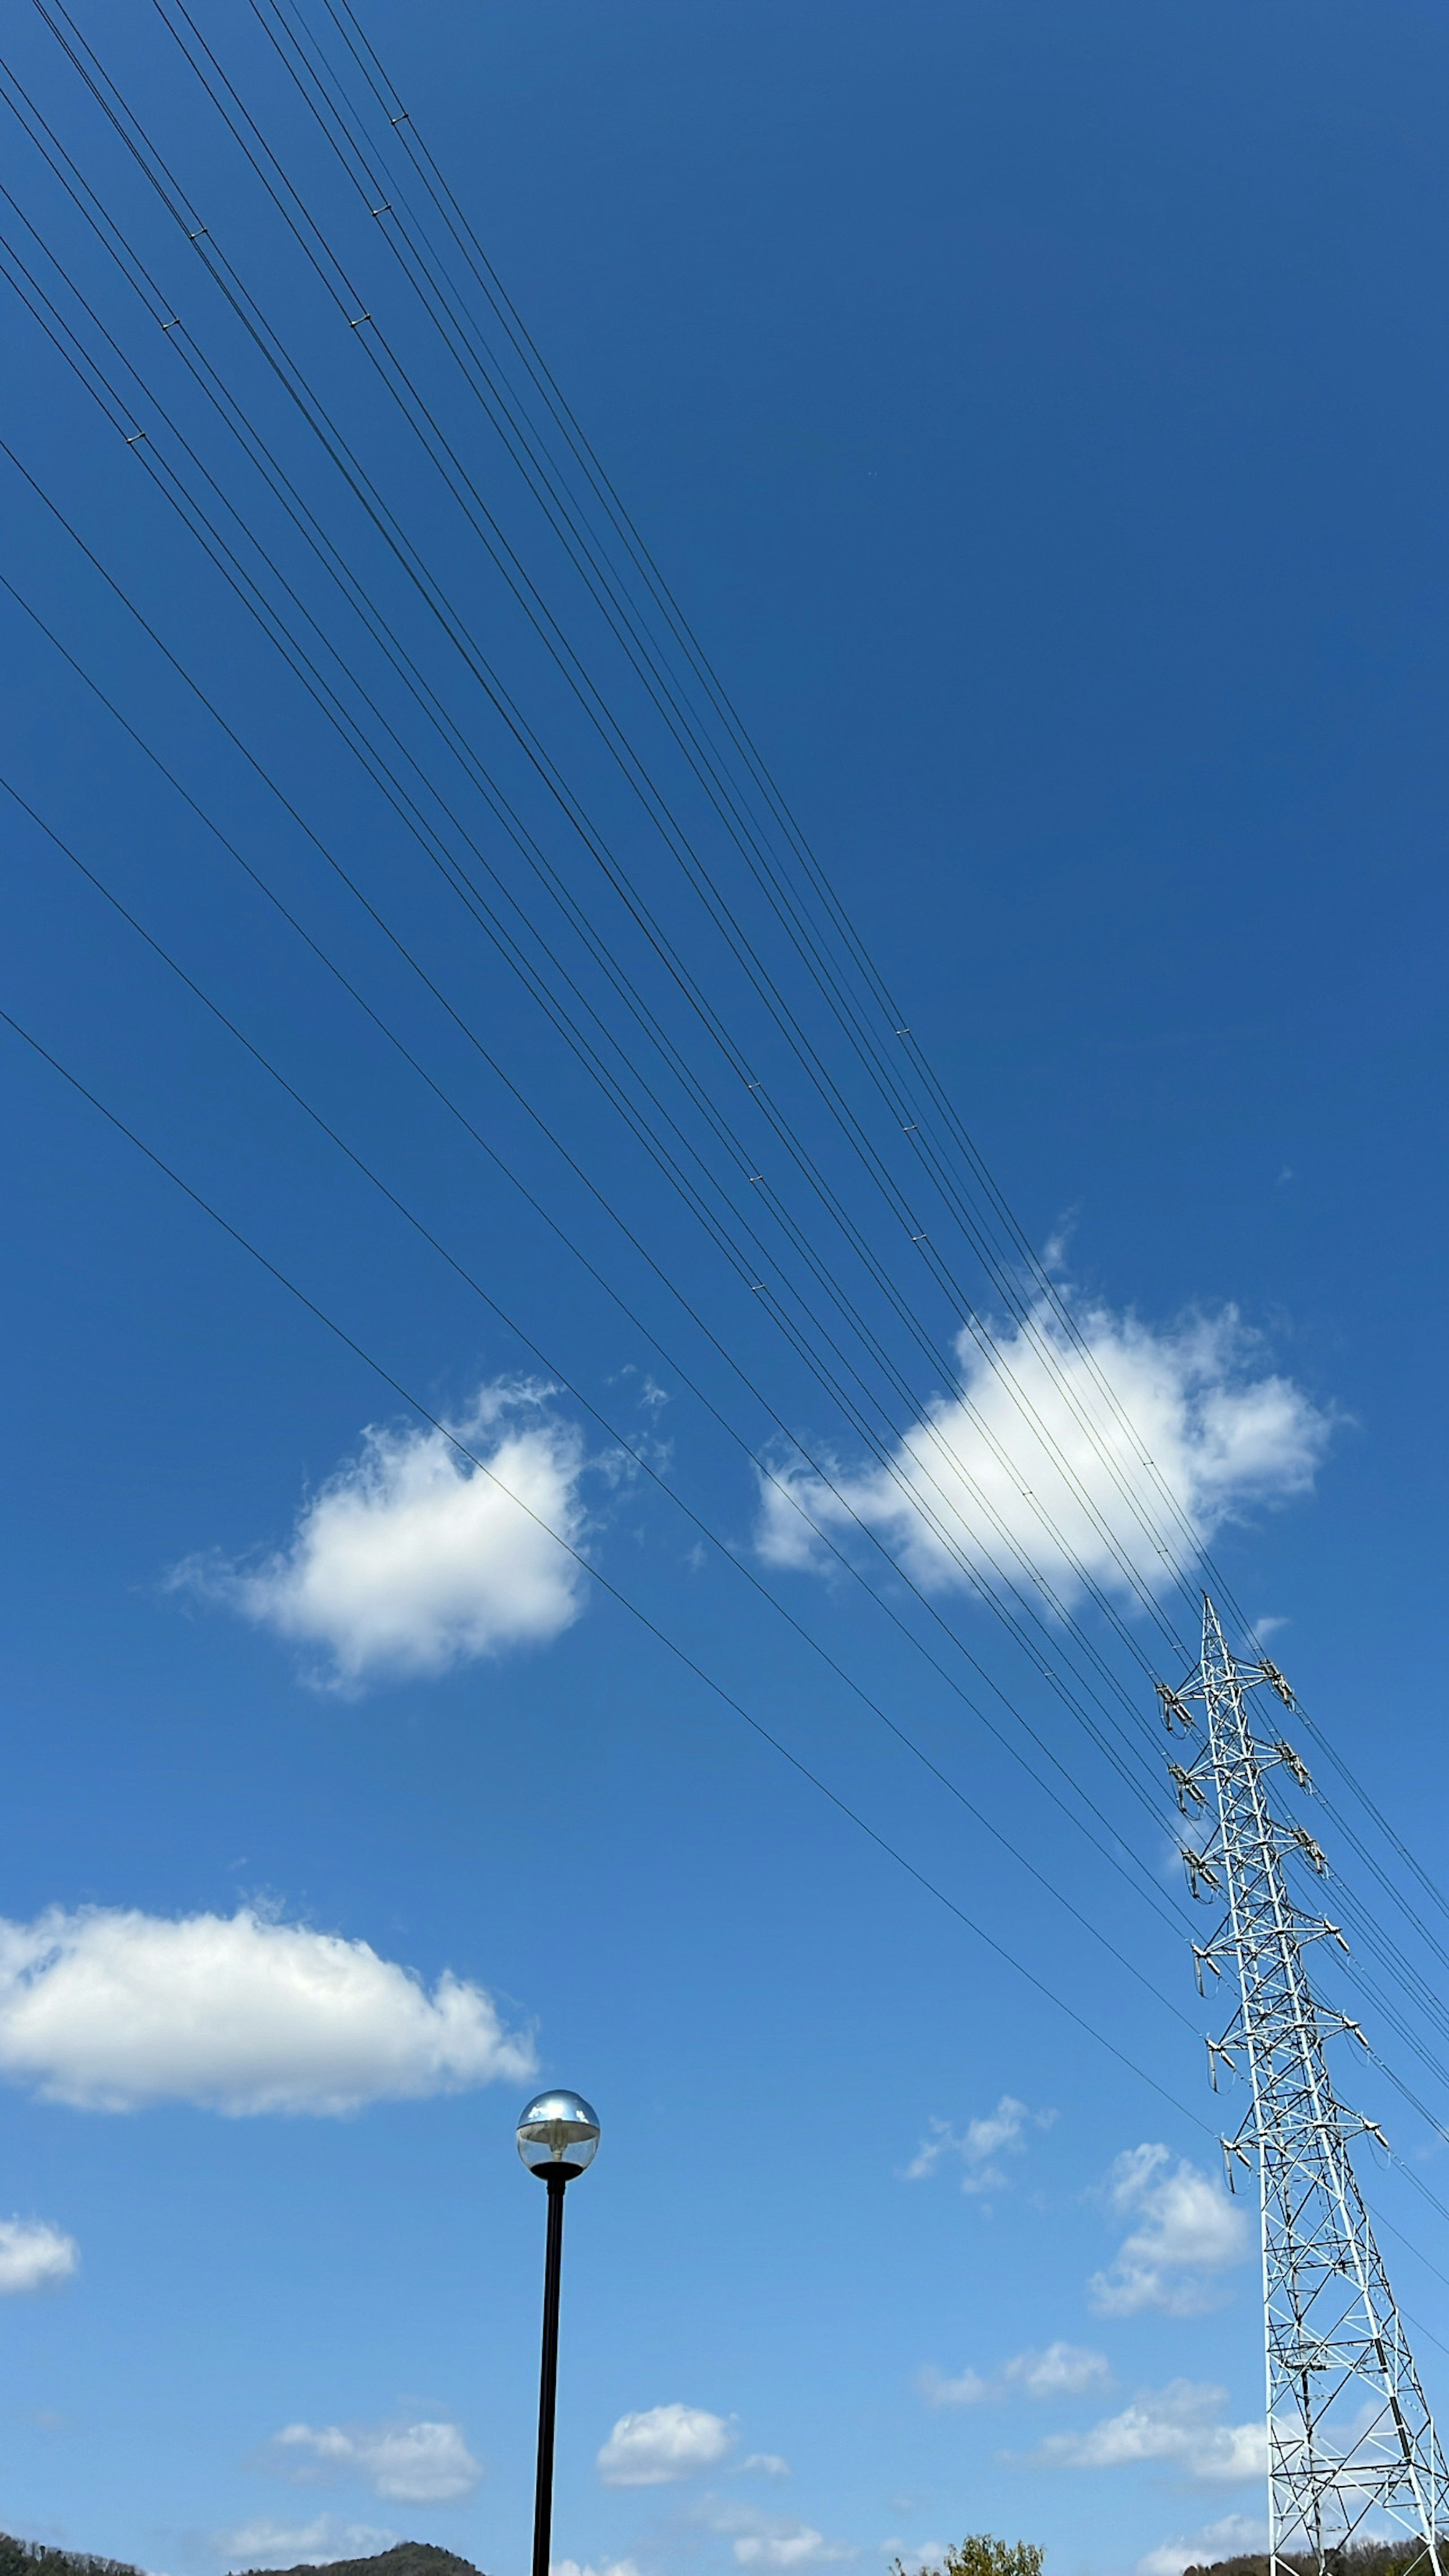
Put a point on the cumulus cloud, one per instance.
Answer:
(109, 2009)
(1177, 2424)
(771, 2540)
(997, 2132)
(982, 1475)
(606, 2567)
(763, 2464)
(410, 1559)
(1186, 2231)
(411, 2463)
(663, 2443)
(1229, 2537)
(1062, 2370)
(276, 2544)
(34, 2256)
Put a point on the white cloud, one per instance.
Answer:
(981, 1474)
(995, 2132)
(1174, 2424)
(970, 2389)
(1187, 2230)
(107, 2009)
(1063, 2370)
(410, 1560)
(792, 2545)
(771, 2540)
(34, 2256)
(409, 2463)
(275, 2544)
(763, 2464)
(663, 2443)
(1230, 2537)
(606, 2567)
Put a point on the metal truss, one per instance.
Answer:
(1348, 2431)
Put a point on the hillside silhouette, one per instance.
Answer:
(409, 2558)
(1360, 2558)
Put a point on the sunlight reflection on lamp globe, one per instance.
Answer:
(558, 2133)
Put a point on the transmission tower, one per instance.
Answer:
(1349, 2432)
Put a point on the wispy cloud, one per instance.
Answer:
(1186, 2232)
(107, 2010)
(968, 2388)
(34, 2256)
(427, 2463)
(798, 2546)
(1180, 2424)
(1025, 1458)
(995, 2133)
(306, 2544)
(411, 1559)
(1062, 2370)
(763, 2464)
(663, 2444)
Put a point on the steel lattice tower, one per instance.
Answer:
(1348, 2428)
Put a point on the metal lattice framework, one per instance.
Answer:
(1349, 2432)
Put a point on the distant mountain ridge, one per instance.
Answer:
(409, 2558)
(421, 2558)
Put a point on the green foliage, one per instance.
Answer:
(33, 2558)
(979, 2555)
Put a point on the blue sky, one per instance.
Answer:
(1039, 413)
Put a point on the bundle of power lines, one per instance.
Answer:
(272, 307)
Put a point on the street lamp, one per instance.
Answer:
(558, 2138)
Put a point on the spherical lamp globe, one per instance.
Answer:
(558, 2133)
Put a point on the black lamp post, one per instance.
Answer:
(558, 2137)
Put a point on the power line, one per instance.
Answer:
(1084, 1348)
(941, 1533)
